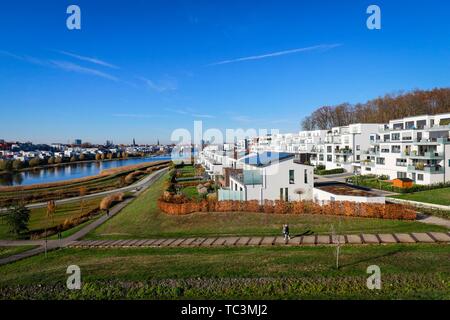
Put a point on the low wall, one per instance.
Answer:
(418, 204)
(344, 208)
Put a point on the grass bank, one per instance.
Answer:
(143, 219)
(408, 272)
(107, 180)
(435, 196)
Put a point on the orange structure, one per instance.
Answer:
(402, 183)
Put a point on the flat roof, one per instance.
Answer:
(345, 190)
(267, 158)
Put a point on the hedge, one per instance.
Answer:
(331, 171)
(344, 208)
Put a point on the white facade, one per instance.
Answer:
(343, 147)
(416, 147)
(322, 197)
(280, 180)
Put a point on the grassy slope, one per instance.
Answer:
(142, 219)
(38, 218)
(436, 196)
(9, 251)
(408, 271)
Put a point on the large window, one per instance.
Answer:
(401, 174)
(380, 160)
(291, 177)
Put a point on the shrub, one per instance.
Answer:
(34, 162)
(331, 171)
(17, 164)
(133, 176)
(108, 201)
(17, 219)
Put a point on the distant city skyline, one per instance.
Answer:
(144, 69)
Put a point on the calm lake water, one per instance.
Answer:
(67, 172)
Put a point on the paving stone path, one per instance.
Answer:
(314, 240)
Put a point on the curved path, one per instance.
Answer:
(143, 183)
(54, 244)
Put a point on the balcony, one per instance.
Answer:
(343, 151)
(248, 177)
(426, 169)
(427, 155)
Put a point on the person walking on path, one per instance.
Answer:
(286, 232)
(107, 212)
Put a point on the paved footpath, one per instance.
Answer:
(311, 240)
(55, 244)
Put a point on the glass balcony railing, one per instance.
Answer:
(248, 177)
(426, 169)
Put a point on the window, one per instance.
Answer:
(368, 169)
(401, 174)
(291, 177)
(320, 157)
(395, 149)
(400, 162)
(328, 149)
(306, 176)
(329, 158)
(420, 177)
(358, 147)
(386, 137)
(358, 157)
(380, 160)
(286, 197)
(281, 194)
(385, 150)
(395, 137)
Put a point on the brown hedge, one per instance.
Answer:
(344, 208)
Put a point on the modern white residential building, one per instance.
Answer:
(416, 147)
(343, 147)
(270, 176)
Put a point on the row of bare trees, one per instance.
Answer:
(380, 110)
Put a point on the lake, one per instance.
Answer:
(69, 171)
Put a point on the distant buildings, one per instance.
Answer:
(417, 148)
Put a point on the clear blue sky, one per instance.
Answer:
(144, 68)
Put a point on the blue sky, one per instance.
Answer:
(144, 68)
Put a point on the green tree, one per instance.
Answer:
(17, 218)
(34, 162)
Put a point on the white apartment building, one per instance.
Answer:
(343, 147)
(415, 147)
(270, 176)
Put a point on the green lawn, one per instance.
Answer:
(39, 221)
(142, 219)
(9, 251)
(407, 272)
(436, 196)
